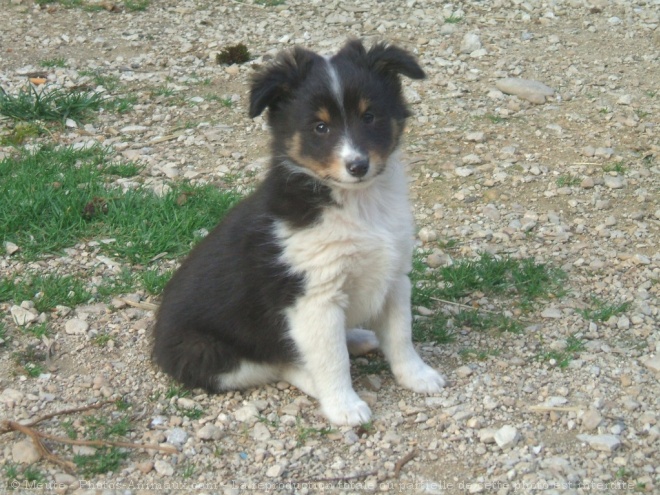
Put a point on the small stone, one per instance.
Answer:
(176, 436)
(487, 435)
(163, 468)
(623, 323)
(532, 91)
(472, 159)
(587, 183)
(476, 137)
(624, 100)
(464, 171)
(464, 371)
(76, 327)
(652, 363)
(134, 129)
(551, 313)
(435, 260)
(10, 248)
(275, 471)
(145, 467)
(24, 452)
(591, 420)
(186, 403)
(232, 70)
(247, 413)
(603, 443)
(22, 316)
(10, 397)
(470, 43)
(506, 437)
(83, 450)
(427, 235)
(369, 396)
(616, 182)
(65, 479)
(260, 432)
(209, 432)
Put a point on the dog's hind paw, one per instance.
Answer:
(350, 413)
(422, 379)
(360, 341)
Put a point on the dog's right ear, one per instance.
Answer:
(277, 82)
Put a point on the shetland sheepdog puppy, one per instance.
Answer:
(291, 279)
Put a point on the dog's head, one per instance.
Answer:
(337, 118)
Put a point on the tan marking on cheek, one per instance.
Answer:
(323, 115)
(294, 150)
(363, 105)
(377, 161)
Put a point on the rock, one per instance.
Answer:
(83, 450)
(591, 420)
(470, 43)
(532, 91)
(652, 363)
(22, 316)
(463, 371)
(247, 413)
(506, 437)
(10, 248)
(477, 137)
(145, 467)
(163, 468)
(427, 235)
(603, 443)
(464, 171)
(435, 260)
(587, 183)
(76, 326)
(487, 435)
(186, 403)
(11, 397)
(24, 452)
(275, 471)
(614, 182)
(176, 436)
(260, 432)
(551, 313)
(65, 479)
(134, 129)
(209, 432)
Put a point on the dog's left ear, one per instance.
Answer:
(390, 60)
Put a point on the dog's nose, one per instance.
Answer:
(358, 167)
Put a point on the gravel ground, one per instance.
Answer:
(567, 172)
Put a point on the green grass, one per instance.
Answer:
(164, 91)
(373, 367)
(453, 19)
(20, 133)
(563, 357)
(433, 329)
(99, 427)
(46, 291)
(154, 281)
(305, 432)
(50, 63)
(136, 5)
(602, 310)
(486, 321)
(269, 3)
(194, 413)
(176, 391)
(69, 429)
(71, 199)
(39, 330)
(54, 105)
(567, 181)
(104, 460)
(31, 360)
(470, 354)
(109, 82)
(495, 119)
(618, 167)
(33, 475)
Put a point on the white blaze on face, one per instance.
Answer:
(335, 85)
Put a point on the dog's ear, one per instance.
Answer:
(390, 60)
(278, 81)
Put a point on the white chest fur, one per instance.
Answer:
(357, 248)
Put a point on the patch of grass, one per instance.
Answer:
(52, 105)
(269, 3)
(194, 413)
(367, 429)
(567, 181)
(618, 167)
(136, 5)
(372, 367)
(21, 132)
(69, 429)
(123, 169)
(109, 82)
(3, 334)
(602, 310)
(104, 460)
(507, 276)
(605, 110)
(122, 405)
(453, 19)
(470, 354)
(233, 54)
(486, 321)
(102, 339)
(11, 472)
(154, 281)
(563, 357)
(305, 432)
(31, 360)
(176, 391)
(39, 330)
(226, 102)
(33, 475)
(50, 63)
(46, 291)
(72, 198)
(99, 427)
(273, 424)
(120, 104)
(433, 329)
(188, 471)
(164, 91)
(495, 119)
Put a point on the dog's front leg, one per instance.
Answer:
(394, 330)
(318, 330)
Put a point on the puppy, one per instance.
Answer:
(280, 289)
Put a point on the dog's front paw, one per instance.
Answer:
(350, 412)
(421, 378)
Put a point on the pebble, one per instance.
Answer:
(471, 42)
(652, 363)
(427, 235)
(464, 171)
(260, 432)
(551, 313)
(587, 183)
(209, 432)
(10, 248)
(591, 419)
(76, 327)
(506, 437)
(532, 91)
(163, 468)
(24, 452)
(463, 371)
(247, 413)
(22, 316)
(176, 436)
(614, 182)
(602, 443)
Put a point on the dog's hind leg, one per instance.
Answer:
(360, 341)
(394, 330)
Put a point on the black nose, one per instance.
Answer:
(358, 167)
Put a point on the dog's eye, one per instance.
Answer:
(368, 118)
(321, 128)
